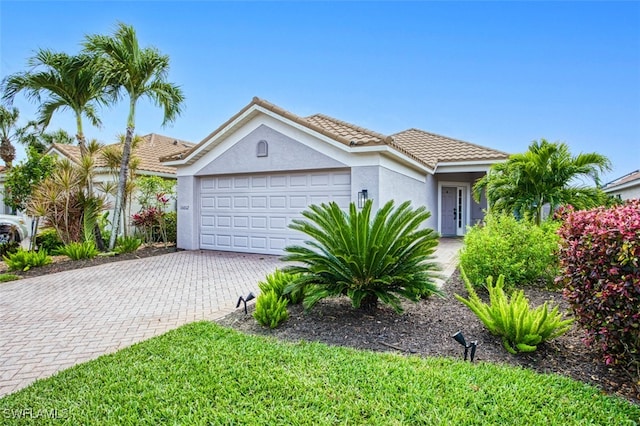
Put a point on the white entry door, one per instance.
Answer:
(251, 213)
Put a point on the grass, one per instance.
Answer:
(8, 277)
(205, 374)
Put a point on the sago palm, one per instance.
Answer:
(140, 73)
(367, 259)
(546, 173)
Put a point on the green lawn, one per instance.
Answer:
(205, 374)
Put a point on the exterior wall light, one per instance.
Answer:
(472, 345)
(362, 197)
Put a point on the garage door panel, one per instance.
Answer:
(252, 213)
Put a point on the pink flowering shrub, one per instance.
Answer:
(150, 220)
(599, 257)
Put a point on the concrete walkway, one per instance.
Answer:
(50, 323)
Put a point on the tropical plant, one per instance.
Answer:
(23, 178)
(277, 281)
(521, 251)
(61, 199)
(271, 310)
(545, 174)
(8, 128)
(23, 260)
(78, 251)
(522, 329)
(141, 73)
(600, 260)
(48, 239)
(383, 258)
(8, 247)
(58, 81)
(127, 244)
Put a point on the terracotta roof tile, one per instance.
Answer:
(148, 151)
(433, 149)
(354, 134)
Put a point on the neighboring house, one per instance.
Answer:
(626, 187)
(148, 150)
(239, 188)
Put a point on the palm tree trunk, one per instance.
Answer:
(122, 181)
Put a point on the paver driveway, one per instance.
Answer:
(53, 322)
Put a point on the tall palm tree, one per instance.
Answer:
(59, 81)
(140, 73)
(8, 131)
(546, 173)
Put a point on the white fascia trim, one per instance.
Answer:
(107, 172)
(626, 185)
(464, 167)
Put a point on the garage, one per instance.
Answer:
(251, 212)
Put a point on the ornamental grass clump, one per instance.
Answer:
(384, 257)
(600, 261)
(23, 260)
(79, 251)
(277, 281)
(271, 309)
(522, 329)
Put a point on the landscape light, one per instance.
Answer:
(244, 300)
(472, 345)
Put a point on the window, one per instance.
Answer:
(262, 149)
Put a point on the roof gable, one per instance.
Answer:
(627, 180)
(426, 148)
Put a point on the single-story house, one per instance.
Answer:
(241, 186)
(626, 188)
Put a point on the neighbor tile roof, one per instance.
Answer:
(148, 151)
(633, 176)
(426, 148)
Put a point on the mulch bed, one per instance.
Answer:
(63, 263)
(425, 329)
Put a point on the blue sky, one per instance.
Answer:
(500, 74)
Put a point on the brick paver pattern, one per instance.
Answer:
(50, 323)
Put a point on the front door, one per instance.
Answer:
(449, 211)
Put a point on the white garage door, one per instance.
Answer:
(251, 213)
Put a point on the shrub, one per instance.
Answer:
(9, 247)
(278, 281)
(128, 244)
(520, 327)
(78, 251)
(601, 276)
(271, 310)
(23, 260)
(48, 240)
(171, 224)
(363, 259)
(517, 249)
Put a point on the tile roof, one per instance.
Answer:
(148, 151)
(433, 149)
(424, 147)
(628, 178)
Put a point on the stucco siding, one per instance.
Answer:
(400, 188)
(627, 193)
(366, 177)
(283, 154)
(431, 201)
(188, 211)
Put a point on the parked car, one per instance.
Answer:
(15, 228)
